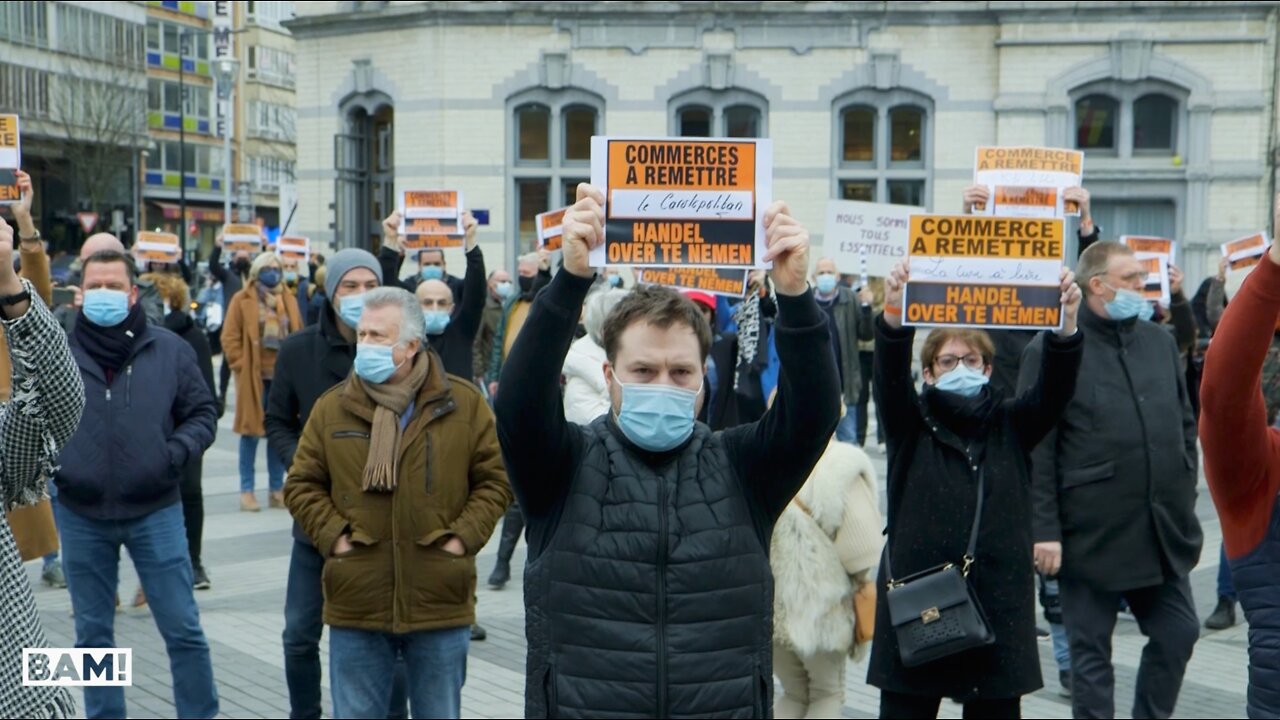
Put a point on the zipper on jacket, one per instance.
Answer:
(128, 387)
(663, 547)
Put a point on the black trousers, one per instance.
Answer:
(865, 361)
(899, 705)
(193, 506)
(1166, 615)
(512, 526)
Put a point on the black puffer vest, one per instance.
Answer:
(1255, 576)
(654, 595)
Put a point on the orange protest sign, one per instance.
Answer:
(986, 272)
(432, 203)
(431, 233)
(431, 219)
(1155, 288)
(156, 247)
(679, 202)
(1246, 251)
(294, 247)
(550, 226)
(10, 160)
(1027, 181)
(719, 281)
(1149, 244)
(242, 236)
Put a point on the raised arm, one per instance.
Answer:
(474, 287)
(539, 445)
(774, 455)
(216, 268)
(891, 382)
(48, 397)
(1047, 380)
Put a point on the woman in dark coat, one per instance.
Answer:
(937, 441)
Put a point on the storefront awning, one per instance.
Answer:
(172, 211)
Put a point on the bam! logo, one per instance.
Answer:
(82, 667)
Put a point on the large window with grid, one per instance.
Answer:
(550, 149)
(883, 146)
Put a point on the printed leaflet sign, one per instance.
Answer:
(1027, 181)
(1245, 252)
(550, 225)
(294, 246)
(678, 202)
(431, 219)
(971, 271)
(242, 236)
(156, 247)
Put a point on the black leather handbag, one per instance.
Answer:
(934, 612)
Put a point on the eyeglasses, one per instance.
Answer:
(947, 363)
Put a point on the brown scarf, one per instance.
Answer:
(390, 401)
(274, 319)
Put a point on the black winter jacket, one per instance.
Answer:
(935, 456)
(1115, 481)
(137, 431)
(648, 588)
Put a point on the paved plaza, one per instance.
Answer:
(247, 556)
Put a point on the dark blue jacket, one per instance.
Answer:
(123, 462)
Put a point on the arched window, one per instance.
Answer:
(364, 157)
(883, 146)
(551, 153)
(1128, 119)
(731, 113)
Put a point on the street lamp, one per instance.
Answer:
(226, 69)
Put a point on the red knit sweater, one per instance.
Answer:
(1242, 454)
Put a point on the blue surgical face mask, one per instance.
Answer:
(436, 321)
(106, 308)
(290, 276)
(350, 308)
(615, 281)
(504, 289)
(655, 416)
(826, 283)
(269, 277)
(1128, 304)
(432, 272)
(374, 363)
(963, 381)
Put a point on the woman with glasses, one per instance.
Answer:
(945, 443)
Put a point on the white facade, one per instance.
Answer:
(429, 94)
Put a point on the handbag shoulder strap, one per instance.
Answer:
(970, 550)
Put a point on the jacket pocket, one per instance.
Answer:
(358, 434)
(446, 578)
(1087, 475)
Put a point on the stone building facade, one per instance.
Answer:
(1174, 103)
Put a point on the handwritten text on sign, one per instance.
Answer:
(875, 231)
(680, 202)
(984, 272)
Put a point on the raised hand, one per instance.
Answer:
(1071, 297)
(975, 195)
(583, 230)
(893, 287)
(391, 231)
(469, 226)
(787, 245)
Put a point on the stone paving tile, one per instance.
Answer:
(247, 555)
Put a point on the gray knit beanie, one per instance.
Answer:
(343, 262)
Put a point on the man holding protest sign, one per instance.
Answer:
(1114, 490)
(609, 631)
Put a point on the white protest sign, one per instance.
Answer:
(866, 238)
(1027, 181)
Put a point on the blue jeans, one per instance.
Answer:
(847, 430)
(360, 670)
(157, 543)
(275, 466)
(303, 625)
(1226, 588)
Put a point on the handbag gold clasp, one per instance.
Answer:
(968, 561)
(930, 616)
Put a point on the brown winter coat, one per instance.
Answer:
(451, 482)
(241, 346)
(33, 527)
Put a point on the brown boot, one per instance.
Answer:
(249, 503)
(277, 499)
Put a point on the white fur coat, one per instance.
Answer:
(820, 561)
